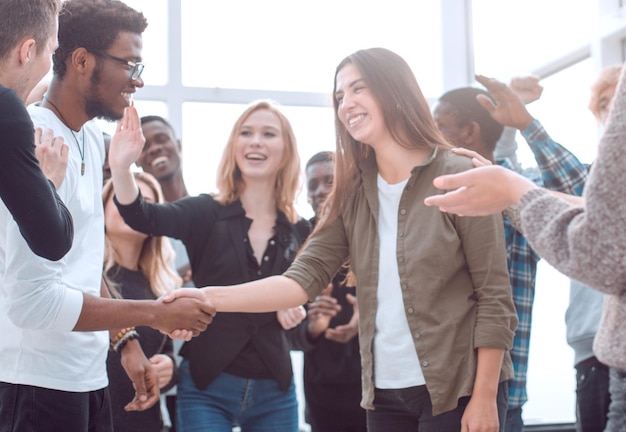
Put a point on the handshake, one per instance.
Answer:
(184, 313)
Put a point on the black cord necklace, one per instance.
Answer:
(81, 152)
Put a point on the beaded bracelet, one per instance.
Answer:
(120, 335)
(124, 340)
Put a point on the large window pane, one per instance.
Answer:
(514, 37)
(295, 46)
(154, 39)
(563, 111)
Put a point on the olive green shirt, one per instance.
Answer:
(453, 276)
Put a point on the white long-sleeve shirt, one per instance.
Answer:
(41, 300)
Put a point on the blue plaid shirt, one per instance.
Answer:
(561, 171)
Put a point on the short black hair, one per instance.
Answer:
(467, 109)
(152, 118)
(93, 25)
(323, 156)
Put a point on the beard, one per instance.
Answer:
(94, 105)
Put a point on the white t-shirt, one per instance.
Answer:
(396, 364)
(41, 300)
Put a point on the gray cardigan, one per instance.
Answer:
(589, 243)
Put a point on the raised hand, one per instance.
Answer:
(527, 88)
(141, 374)
(52, 153)
(508, 109)
(344, 333)
(127, 142)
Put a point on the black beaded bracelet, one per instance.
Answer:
(122, 342)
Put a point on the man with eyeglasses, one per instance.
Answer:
(52, 358)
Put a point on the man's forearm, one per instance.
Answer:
(103, 313)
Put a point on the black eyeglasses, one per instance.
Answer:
(136, 68)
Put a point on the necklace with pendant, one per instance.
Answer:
(80, 151)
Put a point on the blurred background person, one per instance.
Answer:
(137, 266)
(328, 336)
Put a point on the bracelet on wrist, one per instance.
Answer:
(119, 346)
(120, 335)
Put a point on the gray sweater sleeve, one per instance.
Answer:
(588, 243)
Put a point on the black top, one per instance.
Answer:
(332, 370)
(250, 345)
(41, 216)
(134, 285)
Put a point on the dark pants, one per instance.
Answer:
(616, 418)
(25, 408)
(410, 410)
(323, 419)
(592, 395)
(514, 422)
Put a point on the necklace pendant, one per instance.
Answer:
(82, 168)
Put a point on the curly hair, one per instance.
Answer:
(26, 18)
(93, 25)
(323, 156)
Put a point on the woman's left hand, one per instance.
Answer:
(163, 368)
(481, 415)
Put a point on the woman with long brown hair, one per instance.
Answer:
(238, 372)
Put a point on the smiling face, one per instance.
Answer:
(319, 183)
(111, 86)
(161, 153)
(260, 146)
(357, 109)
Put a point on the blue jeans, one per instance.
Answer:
(30, 408)
(410, 410)
(617, 407)
(592, 395)
(256, 405)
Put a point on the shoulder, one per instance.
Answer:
(43, 117)
(12, 109)
(445, 161)
(9, 100)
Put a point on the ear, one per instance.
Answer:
(471, 135)
(180, 146)
(82, 61)
(27, 50)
